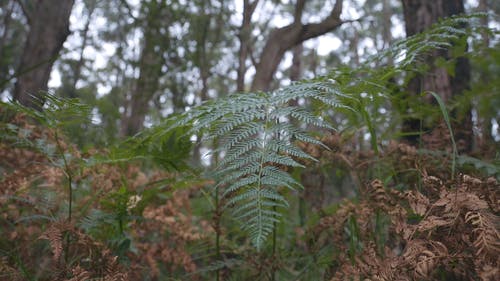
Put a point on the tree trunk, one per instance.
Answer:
(386, 24)
(283, 39)
(483, 8)
(296, 68)
(85, 34)
(244, 36)
(5, 58)
(150, 69)
(387, 13)
(49, 28)
(420, 15)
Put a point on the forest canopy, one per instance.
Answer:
(249, 140)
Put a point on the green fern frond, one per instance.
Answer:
(96, 219)
(440, 36)
(57, 112)
(258, 133)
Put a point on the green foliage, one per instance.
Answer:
(445, 34)
(260, 146)
(167, 148)
(57, 112)
(257, 135)
(442, 107)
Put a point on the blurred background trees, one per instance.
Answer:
(136, 62)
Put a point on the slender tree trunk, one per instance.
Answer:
(486, 139)
(202, 62)
(353, 47)
(49, 28)
(5, 28)
(4, 58)
(386, 23)
(420, 15)
(483, 8)
(296, 69)
(244, 36)
(85, 34)
(386, 28)
(283, 39)
(150, 69)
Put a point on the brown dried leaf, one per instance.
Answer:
(79, 274)
(489, 273)
(432, 222)
(487, 238)
(55, 236)
(419, 203)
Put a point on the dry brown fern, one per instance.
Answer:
(164, 235)
(455, 232)
(8, 272)
(486, 238)
(55, 235)
(76, 256)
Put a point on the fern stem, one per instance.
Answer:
(259, 181)
(274, 234)
(217, 232)
(217, 217)
(273, 277)
(302, 209)
(69, 176)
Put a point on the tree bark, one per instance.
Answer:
(49, 28)
(150, 69)
(483, 8)
(85, 34)
(386, 24)
(420, 15)
(296, 68)
(4, 58)
(486, 139)
(283, 39)
(244, 36)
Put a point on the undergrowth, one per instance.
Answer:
(271, 208)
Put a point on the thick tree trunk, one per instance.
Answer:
(283, 39)
(420, 15)
(49, 28)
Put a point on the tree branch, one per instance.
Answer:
(27, 9)
(284, 38)
(317, 29)
(129, 10)
(299, 10)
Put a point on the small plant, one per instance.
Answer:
(257, 135)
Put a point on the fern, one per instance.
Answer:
(57, 112)
(257, 134)
(441, 35)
